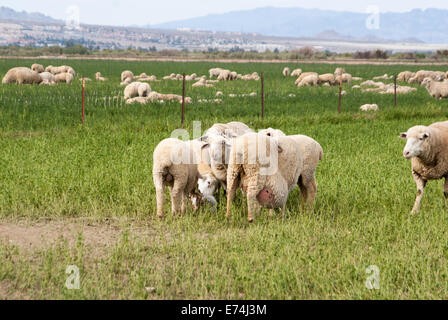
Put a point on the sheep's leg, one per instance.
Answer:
(421, 183)
(177, 195)
(253, 207)
(308, 191)
(184, 203)
(232, 185)
(158, 182)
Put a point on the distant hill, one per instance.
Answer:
(428, 25)
(10, 14)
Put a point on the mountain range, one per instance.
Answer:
(430, 25)
(10, 14)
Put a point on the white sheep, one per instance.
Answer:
(99, 77)
(436, 89)
(64, 77)
(38, 68)
(267, 170)
(137, 89)
(326, 78)
(22, 75)
(310, 80)
(369, 107)
(312, 153)
(175, 166)
(427, 148)
(127, 75)
(286, 72)
(296, 73)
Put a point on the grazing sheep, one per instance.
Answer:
(61, 69)
(286, 72)
(127, 75)
(224, 75)
(422, 74)
(345, 78)
(22, 75)
(369, 107)
(267, 169)
(405, 76)
(38, 68)
(175, 166)
(305, 74)
(312, 153)
(296, 73)
(326, 78)
(98, 77)
(47, 77)
(310, 80)
(436, 89)
(339, 71)
(214, 72)
(137, 89)
(427, 147)
(64, 77)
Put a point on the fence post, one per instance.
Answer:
(262, 95)
(395, 90)
(340, 95)
(183, 99)
(83, 97)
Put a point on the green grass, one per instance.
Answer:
(52, 167)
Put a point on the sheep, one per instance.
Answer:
(267, 169)
(127, 75)
(436, 89)
(64, 77)
(137, 89)
(224, 75)
(214, 72)
(98, 77)
(38, 68)
(286, 72)
(405, 76)
(47, 77)
(175, 166)
(141, 100)
(312, 153)
(426, 147)
(345, 77)
(326, 78)
(369, 107)
(202, 83)
(61, 69)
(422, 74)
(310, 80)
(219, 94)
(305, 74)
(339, 71)
(22, 75)
(296, 73)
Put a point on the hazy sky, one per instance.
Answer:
(125, 12)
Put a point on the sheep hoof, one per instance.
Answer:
(250, 220)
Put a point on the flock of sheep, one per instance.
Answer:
(266, 166)
(38, 75)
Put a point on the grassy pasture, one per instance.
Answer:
(55, 172)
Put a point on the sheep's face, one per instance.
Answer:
(417, 141)
(207, 184)
(426, 82)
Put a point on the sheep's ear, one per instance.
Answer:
(205, 145)
(403, 135)
(425, 135)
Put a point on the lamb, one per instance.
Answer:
(286, 72)
(22, 75)
(267, 169)
(427, 148)
(436, 89)
(127, 75)
(175, 167)
(47, 77)
(369, 107)
(296, 73)
(312, 153)
(305, 74)
(99, 77)
(38, 68)
(326, 78)
(64, 77)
